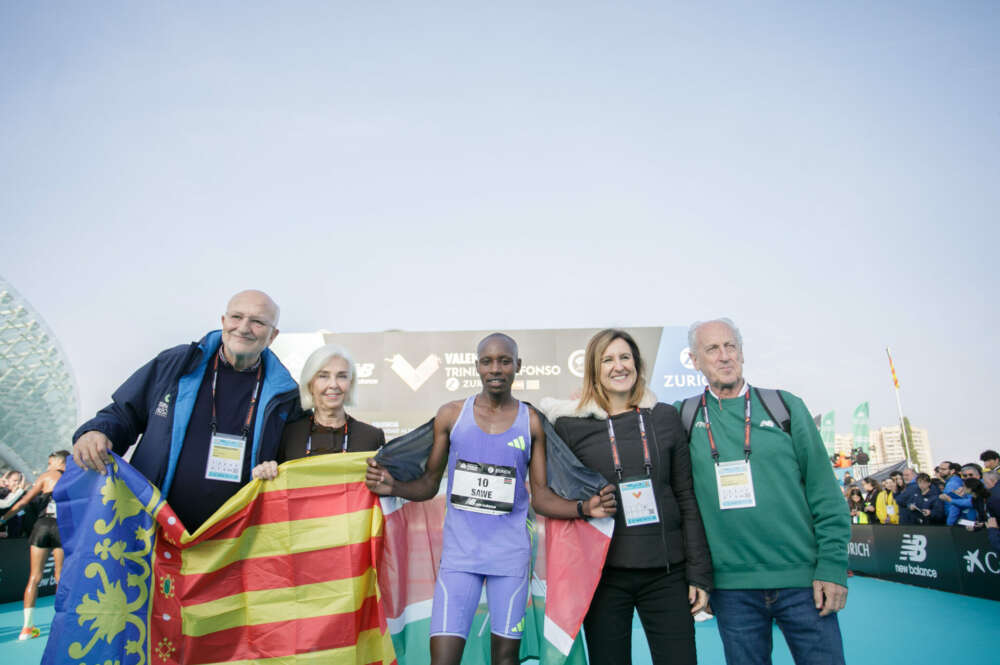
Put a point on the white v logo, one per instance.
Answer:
(414, 378)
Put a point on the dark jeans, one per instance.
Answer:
(661, 599)
(746, 616)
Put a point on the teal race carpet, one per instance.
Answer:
(883, 622)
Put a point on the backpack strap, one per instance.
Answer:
(775, 406)
(689, 411)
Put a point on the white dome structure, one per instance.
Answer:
(38, 393)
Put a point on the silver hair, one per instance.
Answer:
(693, 331)
(315, 362)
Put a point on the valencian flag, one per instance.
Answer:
(284, 572)
(568, 556)
(892, 368)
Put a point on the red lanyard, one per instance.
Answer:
(312, 428)
(645, 447)
(253, 398)
(746, 427)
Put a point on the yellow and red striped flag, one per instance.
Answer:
(892, 369)
(284, 572)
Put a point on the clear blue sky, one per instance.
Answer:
(824, 174)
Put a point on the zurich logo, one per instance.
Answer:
(686, 358)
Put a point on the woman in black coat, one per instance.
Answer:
(658, 562)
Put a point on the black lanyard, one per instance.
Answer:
(746, 429)
(312, 428)
(645, 447)
(253, 398)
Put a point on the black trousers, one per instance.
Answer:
(661, 598)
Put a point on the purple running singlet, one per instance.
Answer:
(485, 527)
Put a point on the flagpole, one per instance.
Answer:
(899, 410)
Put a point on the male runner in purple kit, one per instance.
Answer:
(489, 443)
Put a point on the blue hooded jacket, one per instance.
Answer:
(157, 400)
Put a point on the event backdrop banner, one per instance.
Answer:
(404, 377)
(938, 557)
(14, 568)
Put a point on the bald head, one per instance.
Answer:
(506, 340)
(259, 298)
(249, 326)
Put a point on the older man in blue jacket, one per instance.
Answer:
(207, 412)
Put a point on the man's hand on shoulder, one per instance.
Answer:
(91, 451)
(829, 596)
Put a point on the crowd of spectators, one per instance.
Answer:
(958, 495)
(12, 487)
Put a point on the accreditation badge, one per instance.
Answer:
(483, 488)
(638, 502)
(225, 457)
(735, 485)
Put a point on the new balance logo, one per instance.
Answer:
(517, 443)
(913, 547)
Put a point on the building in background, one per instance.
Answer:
(38, 393)
(843, 444)
(887, 447)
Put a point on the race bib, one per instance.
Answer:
(639, 502)
(483, 488)
(735, 484)
(225, 458)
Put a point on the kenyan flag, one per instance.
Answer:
(566, 566)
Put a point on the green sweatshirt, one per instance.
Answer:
(799, 529)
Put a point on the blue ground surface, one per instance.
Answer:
(884, 622)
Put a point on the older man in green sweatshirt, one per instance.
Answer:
(776, 521)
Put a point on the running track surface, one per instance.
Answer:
(883, 622)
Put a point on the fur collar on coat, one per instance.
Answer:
(559, 408)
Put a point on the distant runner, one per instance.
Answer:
(488, 443)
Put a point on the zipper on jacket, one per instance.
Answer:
(663, 529)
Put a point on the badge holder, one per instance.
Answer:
(637, 496)
(225, 457)
(638, 502)
(735, 483)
